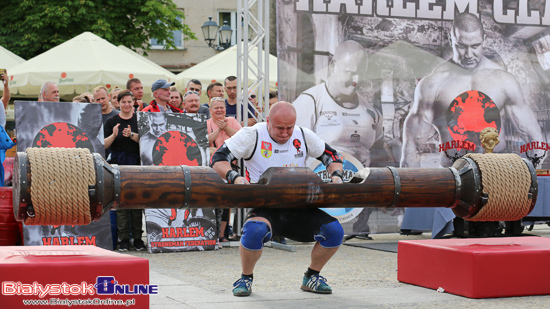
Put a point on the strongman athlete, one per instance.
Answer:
(280, 143)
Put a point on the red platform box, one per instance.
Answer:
(477, 268)
(53, 276)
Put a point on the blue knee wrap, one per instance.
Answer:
(255, 234)
(330, 235)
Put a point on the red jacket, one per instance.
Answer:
(154, 107)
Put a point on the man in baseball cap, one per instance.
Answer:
(161, 93)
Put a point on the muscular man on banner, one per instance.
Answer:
(339, 113)
(280, 143)
(463, 96)
(158, 126)
(343, 116)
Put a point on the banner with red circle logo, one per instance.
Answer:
(168, 139)
(66, 125)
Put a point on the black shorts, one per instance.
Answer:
(296, 224)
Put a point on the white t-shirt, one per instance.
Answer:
(350, 130)
(261, 152)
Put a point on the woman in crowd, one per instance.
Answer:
(176, 99)
(80, 99)
(121, 135)
(88, 97)
(220, 128)
(114, 98)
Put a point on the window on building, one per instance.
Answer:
(178, 39)
(231, 18)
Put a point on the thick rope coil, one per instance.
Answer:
(59, 189)
(507, 180)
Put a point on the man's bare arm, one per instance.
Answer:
(220, 162)
(305, 111)
(222, 167)
(521, 115)
(417, 125)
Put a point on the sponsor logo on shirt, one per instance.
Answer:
(328, 119)
(355, 138)
(298, 145)
(328, 114)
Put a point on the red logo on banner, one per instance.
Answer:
(62, 134)
(469, 113)
(174, 148)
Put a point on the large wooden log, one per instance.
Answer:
(164, 187)
(139, 187)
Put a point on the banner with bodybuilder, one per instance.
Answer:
(414, 83)
(66, 125)
(168, 139)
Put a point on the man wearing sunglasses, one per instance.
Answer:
(192, 104)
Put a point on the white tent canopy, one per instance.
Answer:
(8, 59)
(220, 66)
(82, 63)
(143, 58)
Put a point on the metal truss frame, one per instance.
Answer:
(253, 56)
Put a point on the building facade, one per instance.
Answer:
(191, 52)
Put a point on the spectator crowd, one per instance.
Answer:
(121, 135)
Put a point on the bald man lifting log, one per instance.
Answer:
(280, 143)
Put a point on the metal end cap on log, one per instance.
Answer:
(495, 187)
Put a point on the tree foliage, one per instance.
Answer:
(31, 27)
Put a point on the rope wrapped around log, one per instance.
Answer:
(508, 193)
(59, 192)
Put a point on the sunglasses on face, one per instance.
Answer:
(190, 92)
(252, 96)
